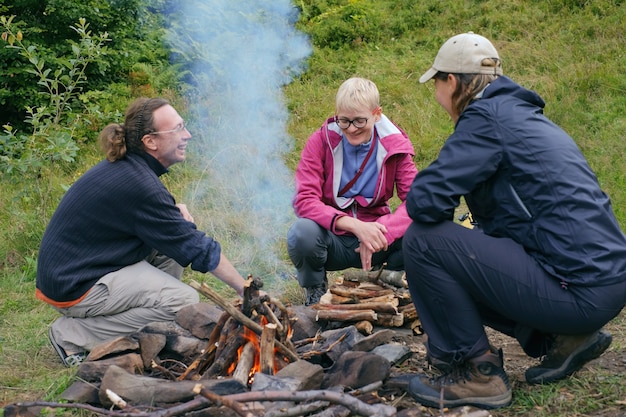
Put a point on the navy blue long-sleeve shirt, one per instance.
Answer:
(113, 217)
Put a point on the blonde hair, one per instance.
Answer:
(118, 139)
(355, 94)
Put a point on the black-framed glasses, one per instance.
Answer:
(358, 122)
(177, 129)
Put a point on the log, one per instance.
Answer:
(226, 358)
(137, 389)
(389, 308)
(245, 364)
(390, 320)
(346, 315)
(330, 298)
(358, 292)
(268, 337)
(395, 278)
(205, 290)
(416, 327)
(409, 311)
(364, 327)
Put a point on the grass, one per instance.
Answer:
(569, 51)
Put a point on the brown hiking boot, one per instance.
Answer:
(567, 355)
(480, 382)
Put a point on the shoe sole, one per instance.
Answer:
(67, 360)
(575, 361)
(498, 401)
(57, 348)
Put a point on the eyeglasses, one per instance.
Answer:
(358, 122)
(177, 129)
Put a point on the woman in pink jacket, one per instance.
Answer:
(344, 181)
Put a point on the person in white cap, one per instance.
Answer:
(546, 260)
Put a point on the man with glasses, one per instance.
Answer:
(112, 256)
(344, 181)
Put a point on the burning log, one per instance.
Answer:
(245, 363)
(267, 349)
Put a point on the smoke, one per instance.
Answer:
(239, 55)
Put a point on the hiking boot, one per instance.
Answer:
(314, 294)
(74, 359)
(567, 355)
(480, 382)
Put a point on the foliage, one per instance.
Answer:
(50, 139)
(134, 32)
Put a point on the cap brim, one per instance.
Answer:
(428, 75)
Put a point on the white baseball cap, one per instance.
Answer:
(463, 54)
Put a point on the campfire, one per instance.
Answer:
(256, 356)
(250, 338)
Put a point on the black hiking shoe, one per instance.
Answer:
(567, 355)
(480, 382)
(314, 294)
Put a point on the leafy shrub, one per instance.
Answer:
(50, 139)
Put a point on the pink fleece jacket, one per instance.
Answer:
(319, 172)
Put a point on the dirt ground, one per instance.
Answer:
(516, 362)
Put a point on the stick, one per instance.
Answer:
(218, 399)
(353, 404)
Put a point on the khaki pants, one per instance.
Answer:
(122, 302)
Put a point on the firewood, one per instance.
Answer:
(218, 399)
(416, 327)
(387, 298)
(365, 327)
(266, 356)
(345, 315)
(227, 357)
(250, 293)
(199, 365)
(358, 292)
(208, 292)
(138, 389)
(395, 278)
(409, 311)
(390, 320)
(245, 364)
(378, 307)
(231, 327)
(330, 298)
(355, 405)
(272, 317)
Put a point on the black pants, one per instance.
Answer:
(315, 250)
(461, 279)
